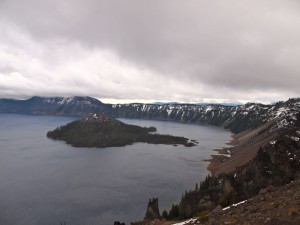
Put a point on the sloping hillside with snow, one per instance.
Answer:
(235, 118)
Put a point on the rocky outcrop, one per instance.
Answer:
(152, 210)
(98, 118)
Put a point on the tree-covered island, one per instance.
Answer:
(101, 130)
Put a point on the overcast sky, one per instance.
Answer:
(155, 50)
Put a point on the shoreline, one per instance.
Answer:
(244, 147)
(221, 155)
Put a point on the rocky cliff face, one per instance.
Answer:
(235, 118)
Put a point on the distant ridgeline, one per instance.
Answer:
(73, 106)
(235, 118)
(101, 130)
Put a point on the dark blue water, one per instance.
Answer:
(45, 182)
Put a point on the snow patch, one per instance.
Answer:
(208, 108)
(294, 138)
(281, 111)
(66, 101)
(185, 222)
(234, 205)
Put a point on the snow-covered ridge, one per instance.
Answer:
(71, 106)
(251, 114)
(235, 118)
(72, 101)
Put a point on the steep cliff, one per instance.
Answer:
(235, 118)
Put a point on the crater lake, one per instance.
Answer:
(48, 182)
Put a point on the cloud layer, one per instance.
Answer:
(171, 50)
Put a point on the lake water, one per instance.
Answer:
(45, 182)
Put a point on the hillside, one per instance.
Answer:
(101, 130)
(73, 106)
(271, 206)
(235, 118)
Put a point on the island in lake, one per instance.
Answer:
(101, 130)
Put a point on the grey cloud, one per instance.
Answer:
(225, 48)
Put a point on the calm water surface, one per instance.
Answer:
(45, 182)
